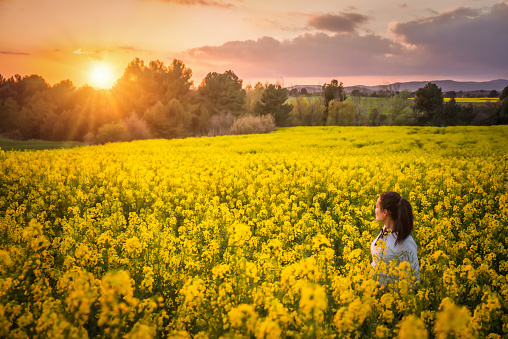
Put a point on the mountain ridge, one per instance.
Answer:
(445, 85)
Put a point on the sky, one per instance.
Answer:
(293, 42)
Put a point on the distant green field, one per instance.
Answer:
(368, 103)
(16, 145)
(369, 100)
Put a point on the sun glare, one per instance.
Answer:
(101, 76)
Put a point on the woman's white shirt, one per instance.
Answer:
(404, 251)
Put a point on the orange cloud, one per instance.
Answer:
(13, 53)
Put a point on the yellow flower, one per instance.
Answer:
(313, 301)
(133, 246)
(241, 234)
(267, 329)
(5, 261)
(243, 315)
(148, 278)
(453, 320)
(348, 319)
(412, 327)
(141, 331)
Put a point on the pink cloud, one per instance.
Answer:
(461, 42)
(462, 36)
(307, 55)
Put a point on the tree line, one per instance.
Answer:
(430, 109)
(160, 101)
(425, 107)
(148, 101)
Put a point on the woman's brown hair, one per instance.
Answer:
(401, 212)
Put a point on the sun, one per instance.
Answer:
(101, 75)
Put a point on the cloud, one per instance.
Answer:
(95, 55)
(342, 23)
(133, 49)
(308, 55)
(13, 53)
(431, 11)
(460, 38)
(212, 3)
(457, 43)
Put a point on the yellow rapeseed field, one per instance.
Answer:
(260, 236)
(473, 100)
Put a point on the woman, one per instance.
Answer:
(394, 242)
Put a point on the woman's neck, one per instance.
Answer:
(389, 224)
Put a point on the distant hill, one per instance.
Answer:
(446, 85)
(309, 88)
(450, 85)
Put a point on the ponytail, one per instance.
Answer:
(404, 223)
(401, 212)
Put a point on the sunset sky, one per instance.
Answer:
(298, 41)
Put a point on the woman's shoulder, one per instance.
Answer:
(409, 243)
(391, 239)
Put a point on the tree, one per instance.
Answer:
(24, 105)
(428, 103)
(30, 85)
(253, 96)
(111, 132)
(347, 113)
(8, 113)
(137, 128)
(362, 107)
(273, 101)
(316, 111)
(223, 93)
(504, 94)
(178, 81)
(341, 113)
(300, 112)
(332, 91)
(168, 121)
(374, 118)
(334, 117)
(33, 113)
(502, 110)
(451, 113)
(398, 104)
(62, 94)
(307, 111)
(467, 114)
(450, 94)
(141, 87)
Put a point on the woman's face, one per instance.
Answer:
(380, 213)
